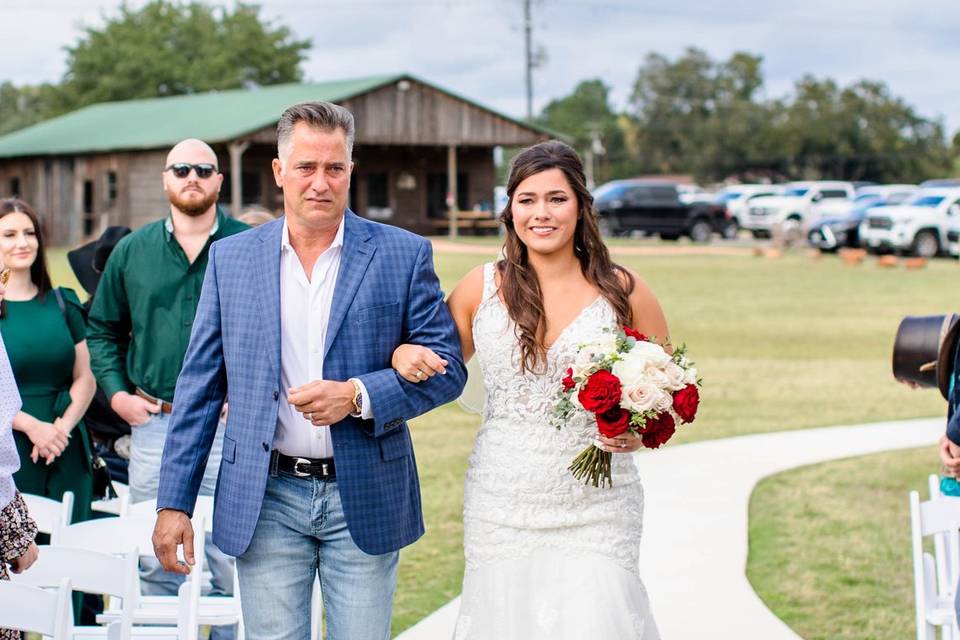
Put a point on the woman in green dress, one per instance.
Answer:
(45, 336)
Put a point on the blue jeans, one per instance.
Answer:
(302, 531)
(147, 442)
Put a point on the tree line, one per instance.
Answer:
(691, 115)
(695, 115)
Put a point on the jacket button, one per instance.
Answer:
(265, 446)
(276, 395)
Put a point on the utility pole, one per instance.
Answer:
(527, 33)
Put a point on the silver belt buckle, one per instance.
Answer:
(323, 469)
(296, 467)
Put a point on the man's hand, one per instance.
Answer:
(951, 464)
(173, 528)
(323, 402)
(21, 564)
(132, 408)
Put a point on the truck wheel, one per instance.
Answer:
(926, 244)
(701, 231)
(730, 230)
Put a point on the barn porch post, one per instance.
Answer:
(237, 147)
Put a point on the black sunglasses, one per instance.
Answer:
(182, 169)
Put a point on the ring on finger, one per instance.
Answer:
(419, 374)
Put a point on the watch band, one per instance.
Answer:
(357, 396)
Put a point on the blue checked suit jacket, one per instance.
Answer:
(386, 294)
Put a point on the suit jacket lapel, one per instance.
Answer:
(354, 259)
(269, 284)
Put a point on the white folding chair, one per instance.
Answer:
(934, 587)
(114, 506)
(98, 573)
(36, 610)
(50, 515)
(115, 535)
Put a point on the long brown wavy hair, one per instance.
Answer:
(39, 274)
(519, 284)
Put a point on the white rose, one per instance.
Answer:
(664, 403)
(630, 369)
(675, 376)
(654, 373)
(640, 397)
(650, 351)
(690, 376)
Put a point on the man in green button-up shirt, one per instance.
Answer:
(140, 323)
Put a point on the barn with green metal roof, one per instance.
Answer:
(416, 144)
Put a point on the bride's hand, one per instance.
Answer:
(626, 442)
(416, 363)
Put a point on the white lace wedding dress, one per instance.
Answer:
(546, 556)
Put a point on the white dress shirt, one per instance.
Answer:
(9, 406)
(304, 317)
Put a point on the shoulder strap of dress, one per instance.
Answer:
(489, 280)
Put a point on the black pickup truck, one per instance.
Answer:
(654, 207)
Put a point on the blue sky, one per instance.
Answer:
(475, 47)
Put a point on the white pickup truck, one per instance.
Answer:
(919, 227)
(797, 205)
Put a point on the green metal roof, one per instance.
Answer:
(156, 123)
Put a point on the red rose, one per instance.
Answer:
(658, 430)
(613, 422)
(633, 333)
(686, 401)
(568, 382)
(601, 392)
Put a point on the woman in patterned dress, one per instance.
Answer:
(17, 530)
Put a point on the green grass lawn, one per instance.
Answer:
(830, 545)
(781, 344)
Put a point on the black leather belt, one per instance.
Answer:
(322, 468)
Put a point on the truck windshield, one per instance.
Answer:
(610, 191)
(926, 201)
(728, 196)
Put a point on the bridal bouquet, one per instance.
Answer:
(629, 383)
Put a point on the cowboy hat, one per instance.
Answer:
(89, 260)
(924, 350)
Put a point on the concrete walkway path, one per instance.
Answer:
(694, 552)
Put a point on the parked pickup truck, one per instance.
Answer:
(798, 205)
(653, 207)
(921, 226)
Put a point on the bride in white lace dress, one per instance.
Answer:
(547, 557)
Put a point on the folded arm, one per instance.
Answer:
(428, 324)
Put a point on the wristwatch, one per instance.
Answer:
(357, 396)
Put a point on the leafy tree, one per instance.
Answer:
(695, 115)
(22, 106)
(171, 48)
(587, 117)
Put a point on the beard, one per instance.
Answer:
(192, 206)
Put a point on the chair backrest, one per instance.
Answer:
(50, 515)
(91, 572)
(934, 580)
(188, 604)
(202, 509)
(116, 536)
(37, 610)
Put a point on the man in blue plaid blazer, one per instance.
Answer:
(298, 319)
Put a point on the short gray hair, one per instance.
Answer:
(325, 116)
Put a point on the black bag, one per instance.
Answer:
(102, 484)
